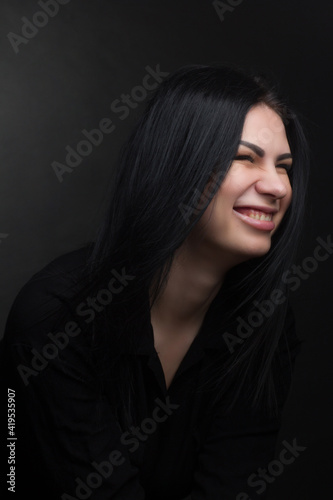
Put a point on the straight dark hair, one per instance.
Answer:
(186, 138)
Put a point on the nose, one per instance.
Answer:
(272, 183)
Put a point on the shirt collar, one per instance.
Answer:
(209, 337)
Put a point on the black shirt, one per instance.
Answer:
(69, 443)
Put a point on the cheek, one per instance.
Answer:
(232, 188)
(284, 204)
(287, 199)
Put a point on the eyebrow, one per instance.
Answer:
(260, 152)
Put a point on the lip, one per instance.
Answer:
(262, 225)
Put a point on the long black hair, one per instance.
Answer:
(188, 135)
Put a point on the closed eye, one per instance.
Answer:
(286, 166)
(244, 157)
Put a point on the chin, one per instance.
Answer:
(255, 249)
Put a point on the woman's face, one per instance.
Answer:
(256, 192)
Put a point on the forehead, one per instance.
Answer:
(264, 127)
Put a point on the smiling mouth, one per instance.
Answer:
(255, 214)
(255, 218)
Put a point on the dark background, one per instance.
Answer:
(64, 79)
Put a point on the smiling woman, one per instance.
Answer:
(256, 189)
(146, 401)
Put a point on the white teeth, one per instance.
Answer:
(260, 216)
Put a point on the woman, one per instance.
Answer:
(155, 362)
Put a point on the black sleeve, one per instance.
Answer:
(237, 445)
(227, 459)
(73, 434)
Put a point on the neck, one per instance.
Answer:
(194, 280)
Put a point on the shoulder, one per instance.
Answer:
(43, 301)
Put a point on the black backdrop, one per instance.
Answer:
(61, 72)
